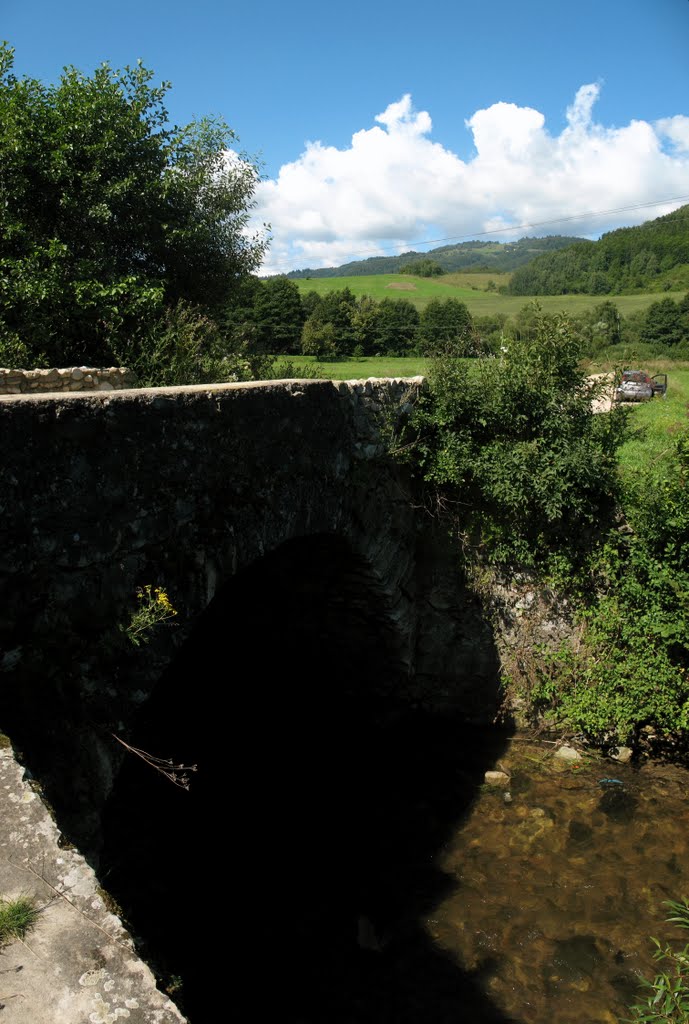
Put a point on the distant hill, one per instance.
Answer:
(651, 257)
(478, 256)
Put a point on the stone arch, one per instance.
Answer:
(278, 696)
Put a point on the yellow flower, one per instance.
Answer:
(163, 601)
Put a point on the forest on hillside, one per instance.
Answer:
(498, 257)
(651, 257)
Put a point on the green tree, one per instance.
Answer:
(424, 267)
(364, 321)
(319, 340)
(490, 331)
(446, 326)
(599, 327)
(605, 322)
(310, 301)
(279, 315)
(337, 309)
(683, 306)
(108, 216)
(396, 327)
(663, 323)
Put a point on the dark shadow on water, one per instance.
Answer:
(292, 881)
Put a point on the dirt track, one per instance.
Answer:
(604, 403)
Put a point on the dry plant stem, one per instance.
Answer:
(178, 774)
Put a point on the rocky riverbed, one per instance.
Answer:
(559, 876)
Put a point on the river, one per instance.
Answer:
(352, 868)
(558, 882)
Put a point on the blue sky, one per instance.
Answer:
(380, 125)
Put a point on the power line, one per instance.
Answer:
(513, 227)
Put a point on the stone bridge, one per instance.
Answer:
(311, 589)
(187, 489)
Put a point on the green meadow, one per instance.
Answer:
(655, 425)
(471, 289)
(359, 369)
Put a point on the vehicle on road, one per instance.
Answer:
(638, 386)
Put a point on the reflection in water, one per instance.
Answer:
(560, 888)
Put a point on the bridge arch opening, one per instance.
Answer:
(293, 875)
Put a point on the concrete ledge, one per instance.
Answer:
(78, 964)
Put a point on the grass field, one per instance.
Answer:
(412, 366)
(359, 369)
(467, 288)
(656, 424)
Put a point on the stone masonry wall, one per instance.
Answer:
(71, 378)
(101, 493)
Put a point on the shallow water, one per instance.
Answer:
(559, 882)
(337, 859)
(392, 887)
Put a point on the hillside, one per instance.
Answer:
(479, 300)
(651, 257)
(496, 257)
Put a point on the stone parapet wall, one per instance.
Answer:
(376, 406)
(70, 378)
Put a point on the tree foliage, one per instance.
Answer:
(512, 446)
(423, 267)
(446, 325)
(667, 322)
(279, 315)
(109, 216)
(395, 328)
(329, 330)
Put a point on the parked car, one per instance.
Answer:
(638, 386)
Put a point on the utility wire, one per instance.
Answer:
(512, 227)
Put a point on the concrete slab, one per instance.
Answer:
(78, 964)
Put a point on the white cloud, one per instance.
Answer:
(394, 185)
(676, 129)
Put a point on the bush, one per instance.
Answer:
(629, 677)
(286, 369)
(513, 448)
(187, 347)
